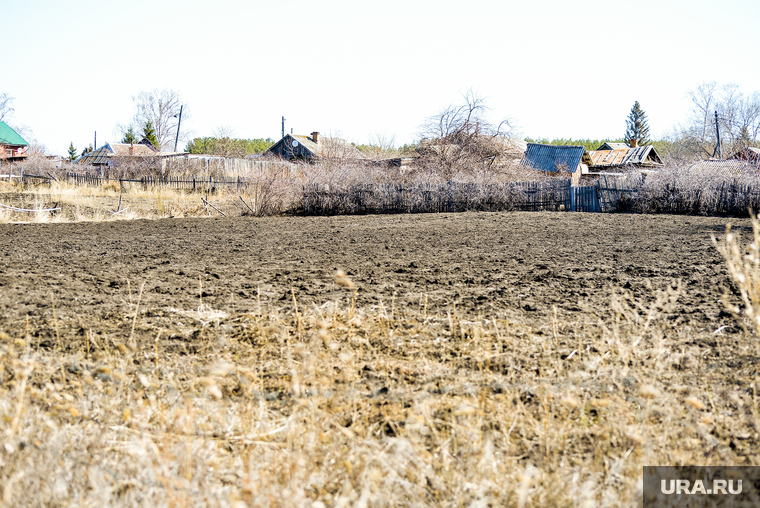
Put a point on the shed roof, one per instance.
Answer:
(10, 137)
(723, 167)
(555, 157)
(640, 156)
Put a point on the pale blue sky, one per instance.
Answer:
(558, 68)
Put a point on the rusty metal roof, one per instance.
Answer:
(554, 157)
(639, 156)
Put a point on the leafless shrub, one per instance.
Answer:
(700, 190)
(460, 139)
(269, 192)
(361, 188)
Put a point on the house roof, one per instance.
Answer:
(555, 157)
(137, 149)
(641, 155)
(609, 145)
(747, 153)
(10, 137)
(729, 168)
(109, 150)
(325, 146)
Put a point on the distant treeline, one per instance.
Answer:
(229, 147)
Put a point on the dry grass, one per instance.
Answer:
(379, 406)
(110, 202)
(743, 263)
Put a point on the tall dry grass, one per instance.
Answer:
(339, 405)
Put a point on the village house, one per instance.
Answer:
(112, 154)
(109, 151)
(558, 159)
(12, 145)
(749, 154)
(315, 146)
(619, 157)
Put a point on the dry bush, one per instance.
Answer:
(361, 187)
(270, 192)
(685, 190)
(461, 140)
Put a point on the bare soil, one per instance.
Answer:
(180, 361)
(526, 266)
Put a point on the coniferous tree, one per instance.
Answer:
(130, 136)
(72, 152)
(149, 133)
(637, 126)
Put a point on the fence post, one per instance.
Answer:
(572, 198)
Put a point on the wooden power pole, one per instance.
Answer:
(718, 148)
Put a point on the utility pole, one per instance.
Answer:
(718, 148)
(283, 126)
(179, 122)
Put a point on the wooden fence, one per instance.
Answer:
(220, 166)
(189, 184)
(616, 194)
(585, 199)
(322, 199)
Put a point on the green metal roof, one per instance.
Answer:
(10, 137)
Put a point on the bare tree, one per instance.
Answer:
(335, 149)
(380, 146)
(162, 108)
(225, 144)
(6, 108)
(461, 139)
(738, 119)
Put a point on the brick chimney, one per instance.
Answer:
(634, 143)
(315, 137)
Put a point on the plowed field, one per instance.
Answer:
(523, 265)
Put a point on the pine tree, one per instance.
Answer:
(130, 136)
(149, 133)
(72, 152)
(636, 125)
